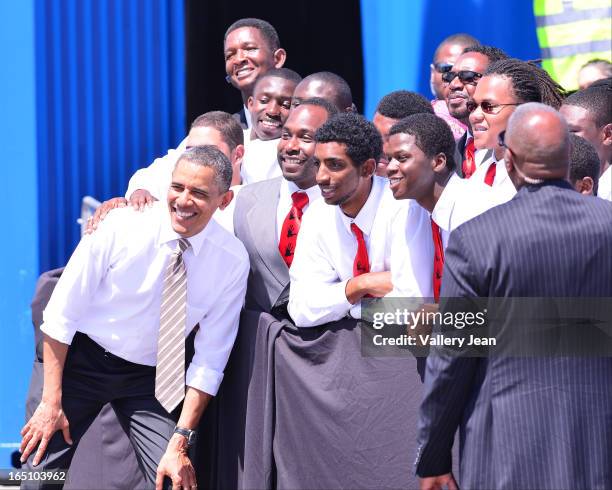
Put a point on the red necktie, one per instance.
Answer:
(361, 265)
(490, 177)
(438, 259)
(469, 164)
(291, 227)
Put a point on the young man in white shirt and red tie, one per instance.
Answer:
(116, 324)
(345, 246)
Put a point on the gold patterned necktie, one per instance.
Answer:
(170, 372)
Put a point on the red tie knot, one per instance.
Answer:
(357, 231)
(300, 199)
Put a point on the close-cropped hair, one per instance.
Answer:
(597, 101)
(362, 139)
(267, 31)
(210, 156)
(319, 102)
(284, 73)
(604, 65)
(225, 123)
(584, 161)
(491, 52)
(343, 96)
(460, 38)
(402, 103)
(431, 134)
(530, 83)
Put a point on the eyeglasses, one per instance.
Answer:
(465, 76)
(442, 67)
(487, 107)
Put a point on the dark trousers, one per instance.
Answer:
(93, 377)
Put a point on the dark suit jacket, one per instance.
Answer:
(255, 226)
(530, 422)
(240, 116)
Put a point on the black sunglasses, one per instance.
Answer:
(442, 67)
(487, 107)
(465, 76)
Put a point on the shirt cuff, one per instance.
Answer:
(203, 379)
(59, 332)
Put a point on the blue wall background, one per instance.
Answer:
(91, 90)
(400, 37)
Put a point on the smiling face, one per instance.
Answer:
(410, 171)
(342, 183)
(459, 93)
(296, 148)
(269, 106)
(193, 197)
(247, 57)
(493, 89)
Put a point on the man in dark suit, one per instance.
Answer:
(535, 421)
(263, 207)
(251, 47)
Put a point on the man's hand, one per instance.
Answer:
(438, 482)
(102, 211)
(46, 421)
(376, 284)
(141, 198)
(176, 465)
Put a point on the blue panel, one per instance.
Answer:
(110, 85)
(400, 37)
(19, 246)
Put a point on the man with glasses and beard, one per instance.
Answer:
(461, 83)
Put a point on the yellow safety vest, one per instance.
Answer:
(570, 33)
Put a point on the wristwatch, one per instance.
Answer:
(188, 434)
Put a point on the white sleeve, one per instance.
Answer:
(215, 338)
(78, 283)
(412, 253)
(156, 177)
(317, 295)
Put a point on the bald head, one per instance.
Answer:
(324, 85)
(537, 142)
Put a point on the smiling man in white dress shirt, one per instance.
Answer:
(113, 301)
(345, 245)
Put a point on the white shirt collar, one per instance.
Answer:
(287, 189)
(443, 210)
(365, 216)
(247, 115)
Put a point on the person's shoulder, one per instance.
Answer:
(226, 243)
(133, 221)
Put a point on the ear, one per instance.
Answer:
(585, 186)
(352, 108)
(250, 103)
(238, 154)
(606, 135)
(368, 168)
(508, 161)
(438, 163)
(226, 199)
(280, 56)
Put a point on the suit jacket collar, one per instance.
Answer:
(261, 220)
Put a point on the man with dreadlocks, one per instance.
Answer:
(505, 85)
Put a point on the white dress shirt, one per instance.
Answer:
(501, 183)
(605, 185)
(260, 159)
(112, 286)
(156, 177)
(326, 249)
(285, 203)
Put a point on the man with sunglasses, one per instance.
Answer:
(444, 58)
(461, 84)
